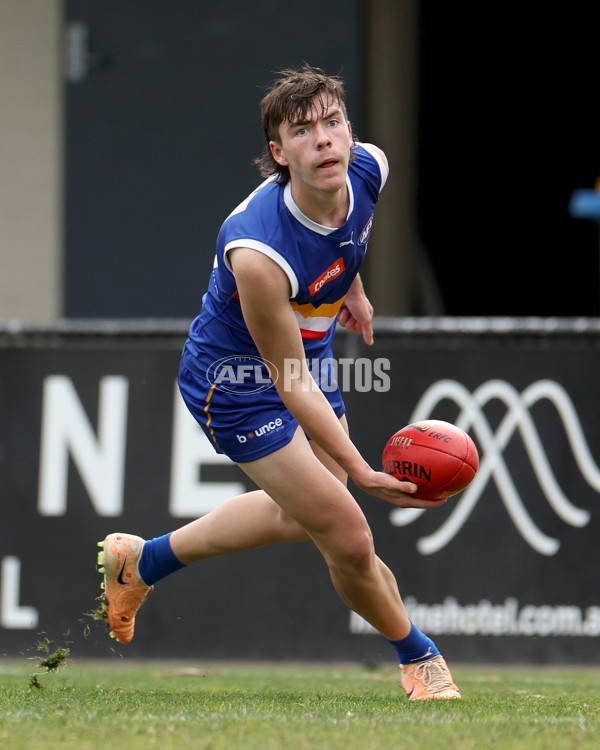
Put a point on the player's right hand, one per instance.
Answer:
(394, 491)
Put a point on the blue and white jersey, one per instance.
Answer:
(320, 262)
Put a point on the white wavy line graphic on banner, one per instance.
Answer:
(472, 419)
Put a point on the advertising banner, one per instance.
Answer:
(94, 438)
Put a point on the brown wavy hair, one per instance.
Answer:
(291, 97)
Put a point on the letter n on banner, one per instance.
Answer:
(66, 431)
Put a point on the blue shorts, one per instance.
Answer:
(243, 419)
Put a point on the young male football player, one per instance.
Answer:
(286, 271)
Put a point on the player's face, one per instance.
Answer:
(316, 149)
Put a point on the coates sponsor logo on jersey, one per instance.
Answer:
(366, 232)
(335, 269)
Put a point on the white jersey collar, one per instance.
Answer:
(309, 223)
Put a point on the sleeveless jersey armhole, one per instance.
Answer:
(383, 170)
(269, 252)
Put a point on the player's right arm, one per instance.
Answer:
(264, 293)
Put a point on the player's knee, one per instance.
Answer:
(355, 553)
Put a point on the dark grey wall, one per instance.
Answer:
(161, 132)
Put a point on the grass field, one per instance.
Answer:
(121, 704)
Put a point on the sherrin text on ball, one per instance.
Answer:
(437, 456)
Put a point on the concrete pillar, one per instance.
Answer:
(30, 159)
(394, 271)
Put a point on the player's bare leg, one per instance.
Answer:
(243, 522)
(322, 505)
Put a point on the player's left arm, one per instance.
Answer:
(356, 314)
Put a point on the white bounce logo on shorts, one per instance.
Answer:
(274, 424)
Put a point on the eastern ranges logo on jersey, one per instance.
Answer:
(366, 232)
(335, 269)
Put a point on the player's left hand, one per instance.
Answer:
(356, 313)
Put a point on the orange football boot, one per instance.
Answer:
(124, 590)
(428, 680)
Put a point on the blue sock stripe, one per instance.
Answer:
(158, 560)
(415, 647)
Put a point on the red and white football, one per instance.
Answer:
(439, 457)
